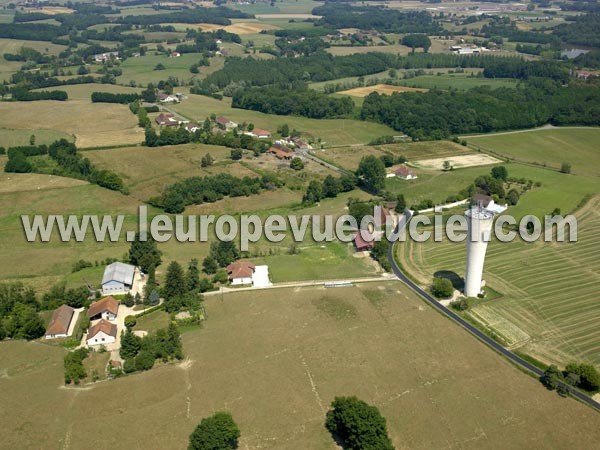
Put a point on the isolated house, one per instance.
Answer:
(363, 244)
(102, 57)
(192, 127)
(167, 98)
(281, 151)
(166, 120)
(102, 333)
(60, 322)
(224, 122)
(106, 309)
(175, 55)
(405, 173)
(117, 278)
(240, 272)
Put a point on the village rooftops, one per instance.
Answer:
(61, 319)
(107, 304)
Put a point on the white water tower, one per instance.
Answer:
(479, 225)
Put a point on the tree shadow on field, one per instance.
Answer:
(457, 281)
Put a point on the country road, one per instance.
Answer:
(528, 130)
(472, 329)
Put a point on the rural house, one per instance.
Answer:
(192, 127)
(60, 322)
(107, 309)
(240, 272)
(281, 151)
(258, 133)
(166, 120)
(224, 122)
(167, 98)
(102, 333)
(404, 172)
(117, 278)
(363, 244)
(103, 57)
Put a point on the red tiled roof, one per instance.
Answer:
(61, 319)
(222, 120)
(362, 244)
(109, 304)
(280, 151)
(261, 132)
(105, 326)
(403, 171)
(240, 269)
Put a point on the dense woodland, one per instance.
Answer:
(438, 114)
(376, 18)
(295, 100)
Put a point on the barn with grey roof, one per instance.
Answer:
(118, 278)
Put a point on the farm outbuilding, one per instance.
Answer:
(107, 309)
(117, 278)
(60, 322)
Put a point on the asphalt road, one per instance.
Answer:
(472, 329)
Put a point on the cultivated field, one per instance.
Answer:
(276, 359)
(380, 89)
(553, 146)
(458, 162)
(241, 28)
(349, 157)
(548, 290)
(92, 124)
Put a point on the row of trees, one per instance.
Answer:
(584, 376)
(209, 189)
(109, 97)
(18, 312)
(330, 187)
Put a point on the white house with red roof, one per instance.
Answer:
(102, 333)
(403, 172)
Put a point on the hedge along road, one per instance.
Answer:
(472, 329)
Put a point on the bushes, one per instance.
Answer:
(74, 370)
(18, 164)
(141, 353)
(442, 287)
(23, 95)
(588, 377)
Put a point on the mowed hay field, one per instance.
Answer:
(276, 359)
(549, 302)
(380, 89)
(92, 124)
(577, 145)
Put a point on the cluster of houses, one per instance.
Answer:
(107, 56)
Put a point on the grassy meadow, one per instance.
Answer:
(276, 359)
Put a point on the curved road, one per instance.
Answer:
(471, 328)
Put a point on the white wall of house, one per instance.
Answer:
(108, 316)
(101, 338)
(243, 280)
(56, 336)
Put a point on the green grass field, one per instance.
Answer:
(12, 138)
(456, 81)
(276, 359)
(331, 131)
(578, 146)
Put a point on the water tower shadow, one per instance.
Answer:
(457, 281)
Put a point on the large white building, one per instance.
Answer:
(117, 278)
(479, 224)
